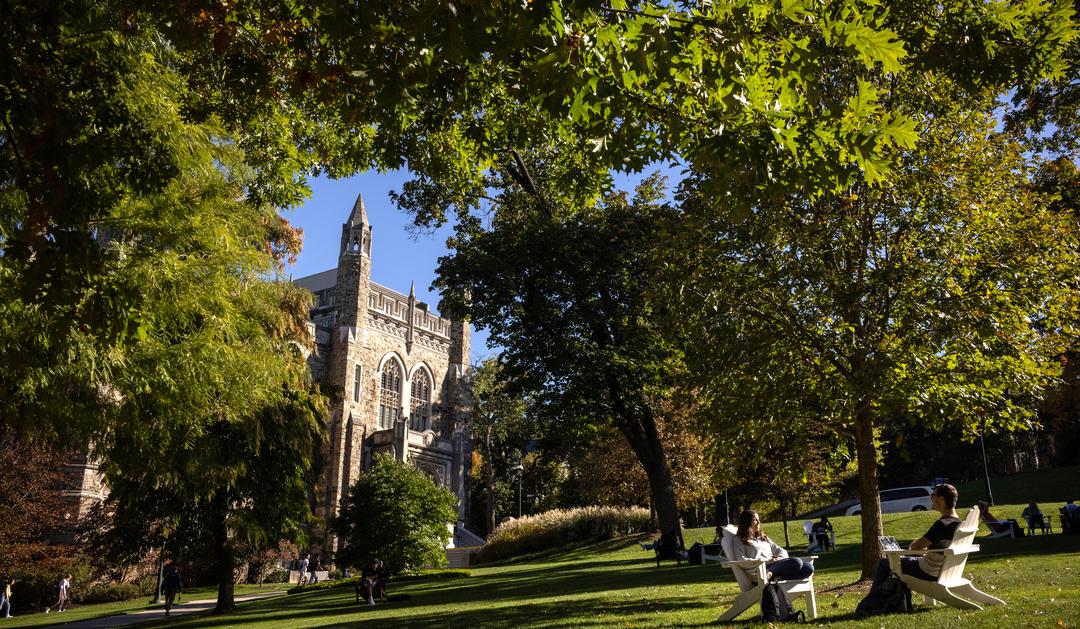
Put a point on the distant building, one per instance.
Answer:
(397, 375)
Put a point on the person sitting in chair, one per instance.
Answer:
(1070, 518)
(928, 566)
(995, 525)
(752, 543)
(1034, 518)
(822, 532)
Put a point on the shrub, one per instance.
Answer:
(111, 593)
(395, 512)
(553, 529)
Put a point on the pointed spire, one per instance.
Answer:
(412, 290)
(359, 212)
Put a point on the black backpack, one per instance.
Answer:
(775, 606)
(891, 597)
(693, 556)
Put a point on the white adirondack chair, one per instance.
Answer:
(751, 575)
(951, 587)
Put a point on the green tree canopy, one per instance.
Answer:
(394, 512)
(942, 294)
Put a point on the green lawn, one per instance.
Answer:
(615, 584)
(85, 612)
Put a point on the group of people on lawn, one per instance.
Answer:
(752, 543)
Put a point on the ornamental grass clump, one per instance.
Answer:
(557, 528)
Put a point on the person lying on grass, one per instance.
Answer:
(927, 567)
(752, 543)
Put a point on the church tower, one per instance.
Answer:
(346, 428)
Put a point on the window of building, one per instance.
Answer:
(358, 372)
(420, 411)
(390, 394)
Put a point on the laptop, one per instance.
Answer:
(888, 542)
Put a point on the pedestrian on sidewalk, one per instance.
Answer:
(5, 597)
(172, 584)
(61, 595)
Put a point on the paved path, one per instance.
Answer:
(200, 606)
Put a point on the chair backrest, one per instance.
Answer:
(953, 567)
(728, 545)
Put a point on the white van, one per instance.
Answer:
(900, 499)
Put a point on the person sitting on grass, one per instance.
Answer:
(752, 543)
(372, 582)
(928, 566)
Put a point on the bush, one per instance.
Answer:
(557, 528)
(279, 575)
(111, 593)
(395, 512)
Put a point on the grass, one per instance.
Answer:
(86, 612)
(616, 584)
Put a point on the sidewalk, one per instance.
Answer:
(200, 606)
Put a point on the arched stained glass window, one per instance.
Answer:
(420, 411)
(390, 394)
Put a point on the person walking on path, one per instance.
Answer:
(5, 598)
(172, 584)
(314, 567)
(302, 579)
(61, 595)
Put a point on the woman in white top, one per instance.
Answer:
(752, 543)
(62, 595)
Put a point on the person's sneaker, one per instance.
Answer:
(370, 601)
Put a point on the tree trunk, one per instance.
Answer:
(223, 559)
(866, 453)
(783, 519)
(645, 441)
(489, 483)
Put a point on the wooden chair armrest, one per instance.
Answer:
(743, 563)
(906, 552)
(961, 550)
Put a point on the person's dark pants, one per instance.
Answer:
(823, 541)
(910, 566)
(170, 596)
(790, 568)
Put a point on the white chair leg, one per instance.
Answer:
(811, 603)
(969, 591)
(949, 598)
(741, 603)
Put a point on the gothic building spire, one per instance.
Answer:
(356, 232)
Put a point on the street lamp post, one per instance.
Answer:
(161, 571)
(520, 470)
(986, 467)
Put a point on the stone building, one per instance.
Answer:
(396, 374)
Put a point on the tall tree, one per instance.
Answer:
(499, 428)
(942, 292)
(560, 281)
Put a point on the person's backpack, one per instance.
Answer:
(891, 597)
(693, 556)
(775, 606)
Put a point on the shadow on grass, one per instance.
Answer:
(578, 613)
